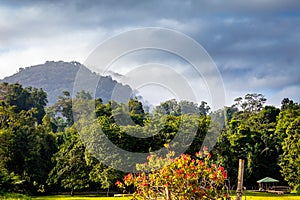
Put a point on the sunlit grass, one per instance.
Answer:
(269, 196)
(68, 197)
(247, 196)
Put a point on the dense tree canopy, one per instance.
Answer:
(25, 148)
(41, 149)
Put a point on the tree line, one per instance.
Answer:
(41, 150)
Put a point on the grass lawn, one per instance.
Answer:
(268, 196)
(248, 196)
(68, 197)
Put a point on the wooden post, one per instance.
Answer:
(240, 180)
(167, 193)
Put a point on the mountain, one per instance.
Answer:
(56, 77)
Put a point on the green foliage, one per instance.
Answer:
(252, 103)
(172, 107)
(136, 111)
(290, 159)
(285, 118)
(286, 103)
(14, 196)
(70, 170)
(40, 152)
(63, 107)
(179, 178)
(104, 175)
(25, 148)
(25, 99)
(251, 136)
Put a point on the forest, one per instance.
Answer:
(41, 151)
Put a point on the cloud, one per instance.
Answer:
(255, 44)
(291, 92)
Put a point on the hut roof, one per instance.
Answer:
(267, 180)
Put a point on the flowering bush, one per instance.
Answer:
(179, 178)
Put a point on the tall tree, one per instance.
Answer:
(63, 107)
(25, 147)
(204, 108)
(250, 134)
(286, 103)
(70, 168)
(290, 159)
(136, 111)
(25, 98)
(169, 107)
(252, 103)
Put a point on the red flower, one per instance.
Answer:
(186, 176)
(128, 177)
(224, 174)
(144, 184)
(221, 168)
(179, 171)
(208, 155)
(118, 183)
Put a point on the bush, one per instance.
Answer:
(13, 196)
(178, 178)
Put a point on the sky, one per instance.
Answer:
(255, 45)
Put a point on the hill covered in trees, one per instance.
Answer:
(56, 77)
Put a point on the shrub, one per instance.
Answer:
(178, 178)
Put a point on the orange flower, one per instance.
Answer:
(118, 183)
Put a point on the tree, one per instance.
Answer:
(25, 98)
(203, 108)
(290, 159)
(15, 94)
(38, 100)
(269, 114)
(25, 148)
(251, 137)
(103, 175)
(286, 103)
(121, 116)
(252, 103)
(70, 168)
(63, 107)
(169, 107)
(83, 95)
(255, 102)
(172, 107)
(284, 119)
(136, 111)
